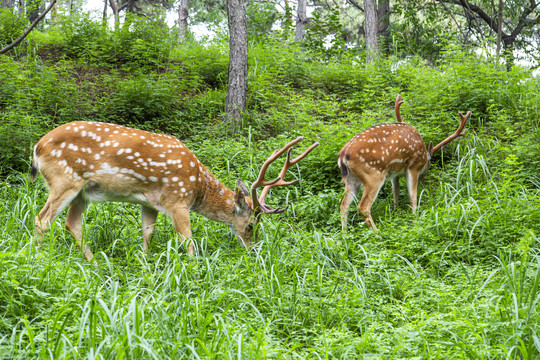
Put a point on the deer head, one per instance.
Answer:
(84, 162)
(384, 152)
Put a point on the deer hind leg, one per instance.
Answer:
(351, 189)
(58, 199)
(149, 217)
(371, 190)
(412, 184)
(395, 191)
(74, 224)
(180, 216)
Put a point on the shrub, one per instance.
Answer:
(12, 25)
(18, 135)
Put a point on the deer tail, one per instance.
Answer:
(342, 163)
(34, 169)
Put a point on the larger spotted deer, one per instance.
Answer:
(381, 153)
(84, 162)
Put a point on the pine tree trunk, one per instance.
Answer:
(238, 61)
(370, 27)
(301, 20)
(383, 17)
(183, 14)
(105, 6)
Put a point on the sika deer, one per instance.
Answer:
(382, 153)
(84, 162)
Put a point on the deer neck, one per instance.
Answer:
(215, 200)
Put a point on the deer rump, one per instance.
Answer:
(387, 149)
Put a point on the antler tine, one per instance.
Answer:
(398, 104)
(260, 201)
(456, 134)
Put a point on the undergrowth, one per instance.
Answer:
(460, 280)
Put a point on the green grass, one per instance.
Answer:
(460, 281)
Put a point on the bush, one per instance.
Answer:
(12, 25)
(141, 43)
(18, 135)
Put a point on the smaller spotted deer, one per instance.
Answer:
(84, 162)
(382, 153)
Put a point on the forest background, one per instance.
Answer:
(460, 280)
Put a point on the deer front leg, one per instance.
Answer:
(395, 191)
(180, 216)
(149, 217)
(74, 225)
(412, 184)
(350, 193)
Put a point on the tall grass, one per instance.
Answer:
(460, 281)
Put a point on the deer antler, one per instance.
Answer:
(398, 104)
(260, 202)
(458, 132)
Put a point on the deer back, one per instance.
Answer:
(122, 161)
(387, 149)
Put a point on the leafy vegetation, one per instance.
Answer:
(460, 280)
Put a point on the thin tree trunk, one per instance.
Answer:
(370, 26)
(235, 105)
(105, 6)
(301, 20)
(183, 14)
(54, 13)
(33, 8)
(383, 16)
(508, 44)
(114, 8)
(499, 28)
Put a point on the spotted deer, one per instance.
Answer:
(381, 153)
(85, 162)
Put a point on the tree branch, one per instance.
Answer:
(25, 34)
(477, 10)
(356, 5)
(523, 19)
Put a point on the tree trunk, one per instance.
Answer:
(499, 28)
(238, 61)
(54, 13)
(383, 16)
(105, 6)
(183, 14)
(301, 20)
(32, 8)
(370, 27)
(508, 44)
(130, 6)
(10, 4)
(114, 8)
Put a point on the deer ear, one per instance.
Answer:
(240, 193)
(430, 149)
